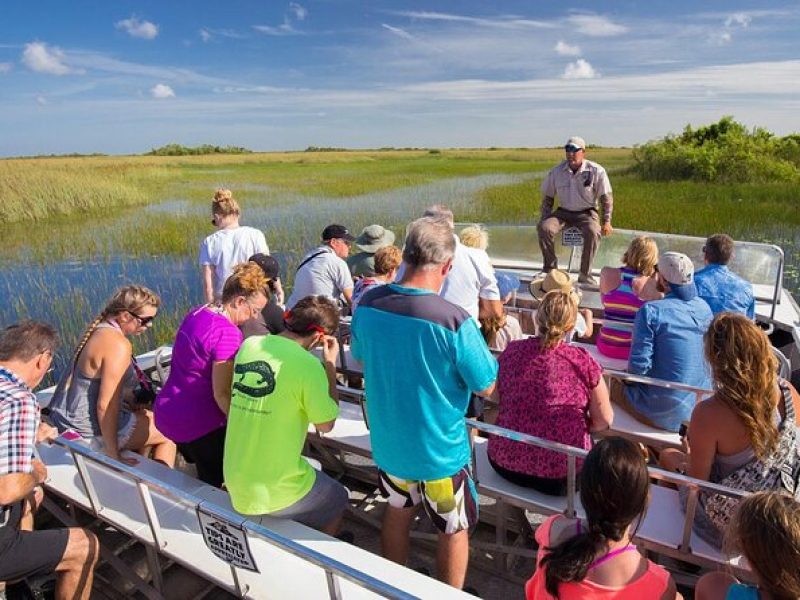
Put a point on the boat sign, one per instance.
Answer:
(227, 540)
(571, 236)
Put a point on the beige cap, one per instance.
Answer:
(576, 141)
(676, 268)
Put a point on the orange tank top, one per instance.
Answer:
(652, 584)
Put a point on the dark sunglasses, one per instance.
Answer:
(572, 149)
(143, 321)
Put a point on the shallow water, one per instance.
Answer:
(68, 293)
(65, 276)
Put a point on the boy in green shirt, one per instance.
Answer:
(279, 387)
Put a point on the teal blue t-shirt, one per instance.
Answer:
(422, 357)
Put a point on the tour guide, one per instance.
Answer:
(578, 183)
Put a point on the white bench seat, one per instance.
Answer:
(349, 433)
(491, 484)
(627, 426)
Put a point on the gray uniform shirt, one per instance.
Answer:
(577, 191)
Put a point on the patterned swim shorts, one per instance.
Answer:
(451, 503)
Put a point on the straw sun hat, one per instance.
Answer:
(554, 280)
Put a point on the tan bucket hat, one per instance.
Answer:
(554, 280)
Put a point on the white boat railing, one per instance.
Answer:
(694, 486)
(516, 247)
(334, 570)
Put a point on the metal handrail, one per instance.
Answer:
(695, 486)
(777, 286)
(144, 482)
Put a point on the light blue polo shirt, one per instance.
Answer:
(422, 357)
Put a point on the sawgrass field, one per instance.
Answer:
(77, 227)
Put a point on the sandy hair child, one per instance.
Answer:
(766, 529)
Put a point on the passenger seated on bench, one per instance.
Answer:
(546, 387)
(766, 530)
(623, 290)
(560, 280)
(667, 344)
(271, 318)
(386, 262)
(95, 396)
(500, 331)
(26, 352)
(595, 558)
(719, 286)
(743, 421)
(279, 388)
(193, 405)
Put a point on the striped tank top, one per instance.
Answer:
(620, 306)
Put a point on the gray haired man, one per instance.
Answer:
(422, 357)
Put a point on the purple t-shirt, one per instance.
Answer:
(185, 409)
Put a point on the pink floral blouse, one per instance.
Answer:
(544, 393)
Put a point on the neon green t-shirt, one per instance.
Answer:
(278, 389)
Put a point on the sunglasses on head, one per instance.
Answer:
(143, 321)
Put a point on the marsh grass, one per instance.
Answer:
(80, 227)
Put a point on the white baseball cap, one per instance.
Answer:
(576, 141)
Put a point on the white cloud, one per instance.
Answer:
(738, 20)
(161, 91)
(720, 38)
(294, 12)
(205, 35)
(595, 25)
(283, 29)
(398, 32)
(580, 69)
(502, 22)
(5, 67)
(42, 58)
(41, 100)
(564, 49)
(299, 12)
(136, 28)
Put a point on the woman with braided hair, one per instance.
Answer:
(192, 407)
(594, 558)
(551, 389)
(90, 398)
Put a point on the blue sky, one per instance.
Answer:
(122, 77)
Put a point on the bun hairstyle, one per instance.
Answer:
(556, 315)
(614, 485)
(766, 529)
(745, 374)
(224, 203)
(312, 312)
(246, 280)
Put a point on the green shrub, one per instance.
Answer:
(723, 152)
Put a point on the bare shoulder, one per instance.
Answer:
(107, 341)
(609, 279)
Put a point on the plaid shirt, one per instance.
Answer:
(19, 420)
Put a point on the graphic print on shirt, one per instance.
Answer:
(260, 385)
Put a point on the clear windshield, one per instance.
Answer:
(517, 246)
